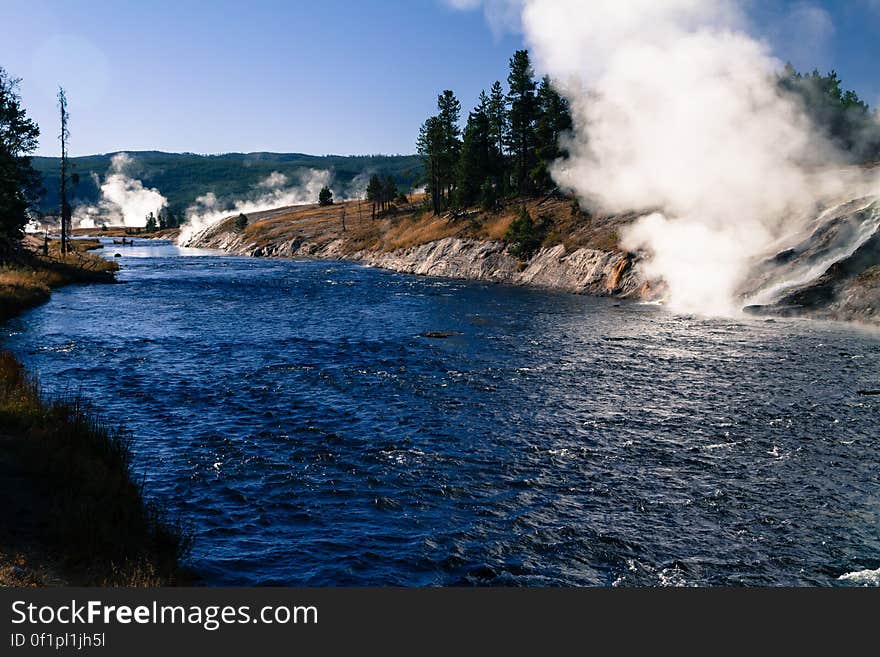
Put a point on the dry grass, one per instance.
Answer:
(414, 224)
(27, 278)
(409, 231)
(77, 471)
(496, 226)
(122, 231)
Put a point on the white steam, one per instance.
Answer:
(88, 216)
(129, 195)
(357, 188)
(122, 197)
(273, 192)
(677, 113)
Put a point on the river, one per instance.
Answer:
(324, 423)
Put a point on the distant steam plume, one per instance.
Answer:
(122, 197)
(275, 191)
(128, 194)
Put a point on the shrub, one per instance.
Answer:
(489, 196)
(524, 235)
(325, 196)
(93, 504)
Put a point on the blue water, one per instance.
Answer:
(296, 417)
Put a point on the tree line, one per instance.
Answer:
(508, 144)
(838, 113)
(20, 184)
(382, 193)
(164, 218)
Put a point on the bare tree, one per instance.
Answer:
(65, 206)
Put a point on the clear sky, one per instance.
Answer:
(333, 76)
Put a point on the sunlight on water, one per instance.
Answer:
(298, 416)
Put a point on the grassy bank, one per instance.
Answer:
(74, 514)
(27, 277)
(119, 232)
(557, 220)
(77, 512)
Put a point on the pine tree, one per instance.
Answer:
(151, 224)
(521, 126)
(325, 196)
(374, 194)
(449, 115)
(439, 144)
(496, 109)
(554, 120)
(19, 183)
(430, 146)
(475, 162)
(524, 235)
(389, 191)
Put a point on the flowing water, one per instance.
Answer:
(325, 423)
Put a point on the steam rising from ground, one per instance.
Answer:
(677, 113)
(129, 194)
(276, 191)
(121, 196)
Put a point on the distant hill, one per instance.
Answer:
(181, 177)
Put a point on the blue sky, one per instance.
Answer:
(315, 77)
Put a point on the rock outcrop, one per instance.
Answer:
(830, 271)
(834, 273)
(583, 271)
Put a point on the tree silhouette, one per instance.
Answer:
(325, 196)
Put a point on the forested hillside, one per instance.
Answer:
(512, 138)
(181, 177)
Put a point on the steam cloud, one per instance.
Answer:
(677, 114)
(273, 192)
(121, 195)
(128, 194)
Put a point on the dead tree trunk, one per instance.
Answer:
(65, 206)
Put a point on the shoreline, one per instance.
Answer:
(577, 253)
(75, 512)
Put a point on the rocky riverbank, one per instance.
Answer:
(833, 272)
(411, 241)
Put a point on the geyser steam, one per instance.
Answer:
(677, 113)
(275, 191)
(128, 194)
(121, 196)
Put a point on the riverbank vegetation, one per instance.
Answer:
(30, 272)
(74, 507)
(513, 137)
(73, 513)
(507, 147)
